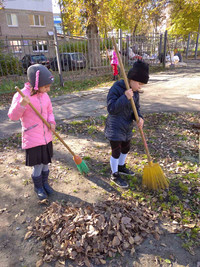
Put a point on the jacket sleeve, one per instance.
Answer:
(16, 110)
(116, 103)
(51, 118)
(136, 99)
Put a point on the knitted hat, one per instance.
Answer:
(139, 72)
(38, 76)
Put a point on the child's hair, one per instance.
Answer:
(33, 92)
(38, 76)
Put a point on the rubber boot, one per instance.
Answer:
(38, 187)
(45, 183)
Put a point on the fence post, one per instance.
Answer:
(165, 49)
(127, 47)
(196, 48)
(188, 44)
(58, 57)
(120, 40)
(160, 46)
(7, 46)
(197, 41)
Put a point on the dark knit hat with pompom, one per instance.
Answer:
(139, 72)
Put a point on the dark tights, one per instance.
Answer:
(119, 147)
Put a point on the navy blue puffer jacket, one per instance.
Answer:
(119, 123)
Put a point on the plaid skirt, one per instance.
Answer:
(39, 154)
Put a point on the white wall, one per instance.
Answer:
(35, 5)
(56, 7)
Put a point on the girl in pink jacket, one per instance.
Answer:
(36, 137)
(114, 64)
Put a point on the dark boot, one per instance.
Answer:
(38, 187)
(116, 77)
(46, 185)
(113, 77)
(125, 171)
(117, 179)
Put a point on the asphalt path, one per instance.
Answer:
(175, 90)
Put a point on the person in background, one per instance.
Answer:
(178, 53)
(114, 64)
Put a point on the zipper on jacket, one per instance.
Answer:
(42, 122)
(29, 128)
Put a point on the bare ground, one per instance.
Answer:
(19, 205)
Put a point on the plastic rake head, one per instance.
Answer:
(81, 165)
(153, 177)
(83, 168)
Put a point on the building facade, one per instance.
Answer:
(26, 27)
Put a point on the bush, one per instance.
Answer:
(79, 46)
(82, 46)
(9, 65)
(8, 86)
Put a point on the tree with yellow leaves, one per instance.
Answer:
(185, 15)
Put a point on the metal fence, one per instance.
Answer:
(82, 58)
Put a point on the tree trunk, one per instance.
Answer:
(93, 45)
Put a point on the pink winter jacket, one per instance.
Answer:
(34, 131)
(114, 58)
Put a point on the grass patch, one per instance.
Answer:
(7, 86)
(79, 85)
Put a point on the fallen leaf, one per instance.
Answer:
(28, 235)
(131, 240)
(87, 262)
(39, 263)
(115, 241)
(137, 238)
(126, 220)
(102, 261)
(2, 210)
(132, 251)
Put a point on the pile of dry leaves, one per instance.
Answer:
(92, 233)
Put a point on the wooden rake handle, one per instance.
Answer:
(45, 122)
(131, 100)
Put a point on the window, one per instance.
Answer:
(12, 20)
(16, 46)
(77, 56)
(38, 58)
(39, 46)
(36, 20)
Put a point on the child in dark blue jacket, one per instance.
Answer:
(119, 123)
